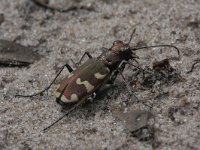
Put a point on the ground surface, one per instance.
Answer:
(60, 37)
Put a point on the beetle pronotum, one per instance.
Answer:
(83, 82)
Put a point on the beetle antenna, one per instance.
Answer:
(138, 48)
(131, 37)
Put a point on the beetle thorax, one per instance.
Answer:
(118, 52)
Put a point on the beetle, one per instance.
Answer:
(84, 82)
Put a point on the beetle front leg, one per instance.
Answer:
(119, 71)
(127, 85)
(112, 78)
(47, 88)
(130, 91)
(116, 72)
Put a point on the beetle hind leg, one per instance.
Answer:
(66, 113)
(79, 103)
(48, 87)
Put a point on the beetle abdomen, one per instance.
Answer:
(82, 82)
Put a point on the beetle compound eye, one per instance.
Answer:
(115, 42)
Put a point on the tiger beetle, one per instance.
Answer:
(84, 82)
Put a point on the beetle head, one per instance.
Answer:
(122, 50)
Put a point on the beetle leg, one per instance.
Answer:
(68, 112)
(143, 70)
(112, 78)
(119, 71)
(47, 88)
(130, 91)
(115, 73)
(127, 85)
(79, 62)
(68, 67)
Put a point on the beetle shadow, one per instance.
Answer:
(107, 91)
(101, 100)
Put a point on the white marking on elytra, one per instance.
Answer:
(100, 76)
(63, 98)
(89, 87)
(74, 97)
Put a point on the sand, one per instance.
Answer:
(62, 36)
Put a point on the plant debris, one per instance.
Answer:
(13, 54)
(137, 122)
(161, 71)
(164, 70)
(194, 24)
(193, 65)
(183, 107)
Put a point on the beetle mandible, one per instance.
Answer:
(83, 82)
